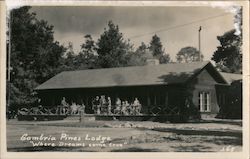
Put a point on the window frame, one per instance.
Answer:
(204, 101)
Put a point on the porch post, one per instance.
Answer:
(155, 100)
(148, 100)
(166, 99)
(148, 103)
(87, 101)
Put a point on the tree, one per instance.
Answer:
(233, 104)
(112, 48)
(69, 59)
(156, 46)
(35, 56)
(88, 48)
(188, 54)
(142, 48)
(164, 59)
(228, 56)
(88, 56)
(158, 51)
(137, 58)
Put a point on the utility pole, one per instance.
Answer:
(199, 39)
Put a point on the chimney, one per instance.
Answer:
(153, 61)
(150, 59)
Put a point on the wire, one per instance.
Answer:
(179, 26)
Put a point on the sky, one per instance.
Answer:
(177, 27)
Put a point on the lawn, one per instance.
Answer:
(122, 136)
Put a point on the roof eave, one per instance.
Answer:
(161, 84)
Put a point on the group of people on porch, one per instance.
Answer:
(73, 109)
(103, 105)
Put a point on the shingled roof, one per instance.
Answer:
(164, 74)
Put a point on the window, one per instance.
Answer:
(204, 101)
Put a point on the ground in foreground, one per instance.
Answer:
(147, 136)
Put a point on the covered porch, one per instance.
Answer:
(154, 99)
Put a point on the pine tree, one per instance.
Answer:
(158, 51)
(112, 48)
(142, 48)
(156, 46)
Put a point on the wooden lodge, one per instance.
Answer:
(174, 88)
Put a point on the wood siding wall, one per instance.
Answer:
(205, 83)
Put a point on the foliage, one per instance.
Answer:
(88, 54)
(235, 96)
(135, 59)
(34, 54)
(142, 48)
(228, 56)
(164, 59)
(233, 107)
(88, 48)
(158, 51)
(188, 54)
(68, 62)
(112, 48)
(156, 46)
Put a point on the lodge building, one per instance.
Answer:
(161, 89)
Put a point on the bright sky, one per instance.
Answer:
(72, 23)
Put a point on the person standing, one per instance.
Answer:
(109, 105)
(103, 105)
(137, 106)
(96, 105)
(118, 106)
(123, 110)
(127, 107)
(64, 105)
(81, 110)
